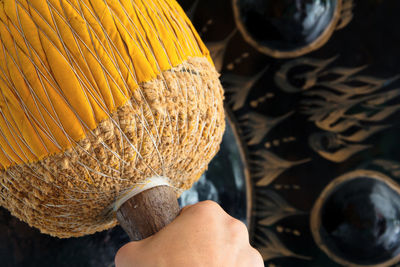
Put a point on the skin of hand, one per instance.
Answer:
(203, 235)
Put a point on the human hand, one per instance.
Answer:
(203, 235)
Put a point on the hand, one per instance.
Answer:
(203, 235)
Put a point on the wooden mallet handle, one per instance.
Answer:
(148, 212)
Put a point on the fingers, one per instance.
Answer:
(238, 231)
(213, 217)
(186, 208)
(202, 235)
(206, 210)
(250, 257)
(255, 259)
(121, 258)
(126, 255)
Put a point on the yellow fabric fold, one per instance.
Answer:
(65, 65)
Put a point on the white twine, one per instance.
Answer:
(186, 87)
(140, 187)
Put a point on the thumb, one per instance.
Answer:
(127, 255)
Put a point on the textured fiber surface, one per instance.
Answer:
(172, 126)
(65, 65)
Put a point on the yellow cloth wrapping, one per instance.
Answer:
(65, 65)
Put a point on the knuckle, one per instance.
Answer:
(124, 253)
(210, 205)
(208, 208)
(238, 230)
(257, 259)
(211, 214)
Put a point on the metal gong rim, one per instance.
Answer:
(314, 45)
(315, 218)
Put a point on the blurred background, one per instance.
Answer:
(311, 158)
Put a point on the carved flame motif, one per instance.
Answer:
(266, 166)
(390, 167)
(218, 49)
(239, 87)
(258, 126)
(272, 208)
(348, 107)
(271, 246)
(346, 14)
(192, 10)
